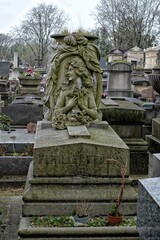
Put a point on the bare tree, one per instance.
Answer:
(128, 22)
(37, 27)
(6, 47)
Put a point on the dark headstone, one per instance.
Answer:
(22, 114)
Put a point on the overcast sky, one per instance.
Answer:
(12, 12)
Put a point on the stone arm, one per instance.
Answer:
(61, 104)
(91, 109)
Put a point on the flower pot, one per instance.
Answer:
(113, 220)
(82, 219)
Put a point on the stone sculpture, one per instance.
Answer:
(74, 83)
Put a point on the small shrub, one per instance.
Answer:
(5, 122)
(2, 150)
(97, 222)
(50, 221)
(28, 150)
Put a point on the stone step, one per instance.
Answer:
(28, 232)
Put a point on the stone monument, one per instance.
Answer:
(5, 92)
(119, 80)
(151, 57)
(72, 144)
(74, 85)
(154, 78)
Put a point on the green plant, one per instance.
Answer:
(97, 222)
(51, 221)
(5, 122)
(28, 150)
(130, 222)
(2, 150)
(120, 61)
(33, 74)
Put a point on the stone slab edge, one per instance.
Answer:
(26, 230)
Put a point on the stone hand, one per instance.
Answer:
(73, 102)
(80, 100)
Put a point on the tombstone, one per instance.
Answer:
(72, 144)
(16, 60)
(5, 92)
(151, 57)
(154, 79)
(24, 109)
(135, 55)
(127, 119)
(140, 83)
(119, 80)
(4, 69)
(14, 74)
(115, 55)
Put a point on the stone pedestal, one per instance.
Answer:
(148, 211)
(5, 92)
(71, 165)
(30, 85)
(127, 119)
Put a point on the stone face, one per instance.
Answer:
(148, 210)
(56, 154)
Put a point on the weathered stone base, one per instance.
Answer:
(58, 196)
(69, 166)
(139, 156)
(126, 119)
(26, 232)
(11, 165)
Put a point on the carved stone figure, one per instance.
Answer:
(74, 83)
(76, 100)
